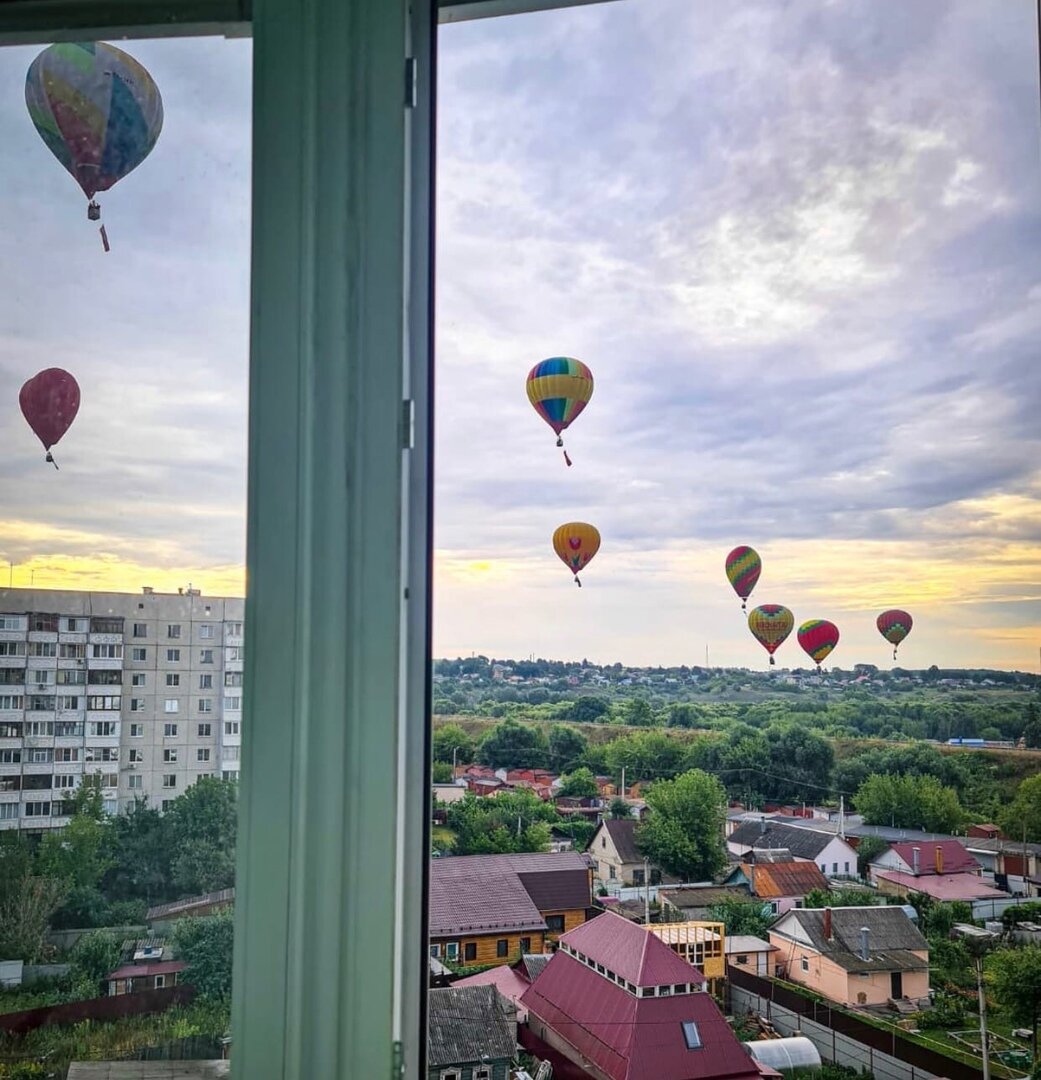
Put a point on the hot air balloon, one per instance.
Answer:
(98, 111)
(576, 543)
(743, 569)
(560, 388)
(818, 637)
(770, 625)
(894, 625)
(50, 401)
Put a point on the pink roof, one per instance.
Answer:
(630, 1038)
(955, 858)
(508, 981)
(943, 886)
(137, 971)
(630, 952)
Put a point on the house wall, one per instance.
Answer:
(487, 946)
(838, 859)
(757, 963)
(606, 857)
(572, 918)
(500, 1070)
(877, 987)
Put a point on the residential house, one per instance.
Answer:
(987, 831)
(136, 978)
(470, 1035)
(750, 953)
(491, 909)
(831, 852)
(619, 1004)
(942, 869)
(560, 839)
(511, 980)
(1007, 864)
(692, 903)
(615, 856)
(853, 956)
(783, 885)
(450, 793)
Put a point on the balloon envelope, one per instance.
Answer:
(96, 108)
(818, 638)
(576, 543)
(743, 568)
(894, 625)
(559, 389)
(50, 401)
(770, 625)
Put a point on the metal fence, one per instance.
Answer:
(103, 1008)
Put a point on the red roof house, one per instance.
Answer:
(928, 857)
(619, 1004)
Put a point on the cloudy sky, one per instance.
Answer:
(796, 242)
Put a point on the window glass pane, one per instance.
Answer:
(122, 557)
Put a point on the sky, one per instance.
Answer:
(796, 244)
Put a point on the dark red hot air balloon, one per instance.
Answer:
(50, 401)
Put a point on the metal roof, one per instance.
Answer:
(631, 1038)
(467, 1025)
(149, 1070)
(623, 835)
(893, 940)
(702, 896)
(746, 943)
(943, 886)
(804, 843)
(955, 856)
(771, 881)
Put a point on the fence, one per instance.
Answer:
(103, 1008)
(842, 1037)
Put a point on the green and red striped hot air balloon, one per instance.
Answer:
(743, 568)
(894, 625)
(818, 638)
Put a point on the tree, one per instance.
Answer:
(1014, 976)
(1024, 812)
(646, 755)
(567, 748)
(1032, 726)
(588, 710)
(94, 957)
(513, 745)
(619, 809)
(742, 916)
(201, 830)
(869, 848)
(514, 821)
(637, 713)
(139, 855)
(449, 739)
(205, 945)
(822, 898)
(684, 715)
(26, 907)
(796, 755)
(683, 830)
(913, 802)
(580, 784)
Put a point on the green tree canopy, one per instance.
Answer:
(514, 745)
(452, 737)
(911, 802)
(206, 945)
(580, 784)
(637, 712)
(646, 755)
(1024, 812)
(567, 748)
(743, 916)
(619, 809)
(201, 827)
(1014, 976)
(588, 710)
(94, 957)
(500, 824)
(683, 830)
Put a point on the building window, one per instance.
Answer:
(805, 964)
(452, 950)
(611, 873)
(135, 782)
(232, 678)
(202, 754)
(231, 727)
(137, 704)
(205, 656)
(173, 679)
(102, 728)
(72, 652)
(234, 629)
(8, 811)
(555, 924)
(10, 701)
(470, 951)
(67, 754)
(12, 622)
(105, 678)
(525, 945)
(41, 678)
(106, 652)
(136, 757)
(69, 704)
(824, 867)
(103, 703)
(170, 756)
(169, 731)
(234, 652)
(169, 780)
(742, 958)
(483, 1072)
(234, 704)
(137, 679)
(71, 678)
(45, 623)
(101, 753)
(140, 629)
(173, 656)
(206, 630)
(160, 982)
(173, 630)
(12, 648)
(167, 803)
(847, 868)
(171, 705)
(138, 654)
(39, 727)
(502, 947)
(205, 682)
(691, 1035)
(137, 731)
(43, 648)
(10, 757)
(435, 950)
(230, 753)
(230, 774)
(109, 779)
(37, 809)
(205, 731)
(101, 625)
(205, 704)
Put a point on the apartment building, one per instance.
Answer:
(143, 689)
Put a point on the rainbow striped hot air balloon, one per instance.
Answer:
(894, 625)
(575, 544)
(559, 389)
(98, 111)
(743, 568)
(770, 625)
(818, 638)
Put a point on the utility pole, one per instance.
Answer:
(647, 900)
(518, 826)
(623, 783)
(455, 750)
(842, 817)
(984, 1038)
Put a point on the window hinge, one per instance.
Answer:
(408, 423)
(397, 1061)
(411, 83)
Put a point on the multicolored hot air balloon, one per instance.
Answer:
(818, 637)
(576, 543)
(894, 625)
(560, 388)
(770, 625)
(98, 111)
(743, 569)
(50, 401)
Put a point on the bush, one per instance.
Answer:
(947, 1013)
(26, 1070)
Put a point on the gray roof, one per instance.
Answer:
(467, 1024)
(892, 942)
(179, 907)
(535, 963)
(149, 1070)
(802, 843)
(701, 897)
(746, 943)
(623, 835)
(1010, 847)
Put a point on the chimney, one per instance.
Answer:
(916, 860)
(939, 859)
(827, 924)
(762, 826)
(865, 937)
